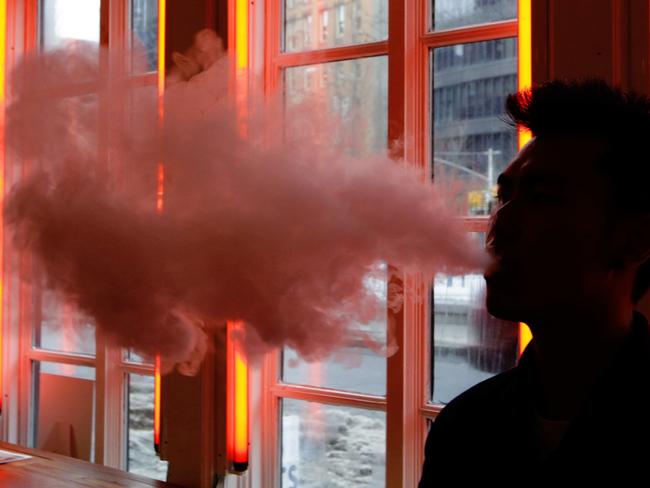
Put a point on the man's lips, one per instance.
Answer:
(498, 268)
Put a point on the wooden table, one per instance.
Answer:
(47, 470)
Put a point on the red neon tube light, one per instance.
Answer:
(237, 434)
(160, 193)
(525, 72)
(237, 397)
(3, 67)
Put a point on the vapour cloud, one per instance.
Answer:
(269, 216)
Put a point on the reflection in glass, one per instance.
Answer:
(144, 34)
(141, 456)
(324, 445)
(313, 24)
(472, 143)
(66, 20)
(469, 345)
(61, 327)
(355, 90)
(447, 14)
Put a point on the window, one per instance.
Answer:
(459, 62)
(69, 375)
(68, 20)
(341, 19)
(324, 23)
(371, 24)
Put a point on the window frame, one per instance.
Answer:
(110, 363)
(407, 401)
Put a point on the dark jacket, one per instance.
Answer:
(485, 434)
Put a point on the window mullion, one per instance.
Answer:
(329, 396)
(475, 33)
(332, 54)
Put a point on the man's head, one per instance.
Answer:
(571, 228)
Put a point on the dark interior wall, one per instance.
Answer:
(186, 17)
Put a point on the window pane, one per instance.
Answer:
(141, 457)
(330, 446)
(133, 357)
(144, 34)
(356, 90)
(447, 14)
(471, 142)
(313, 24)
(469, 345)
(62, 417)
(356, 367)
(66, 20)
(60, 326)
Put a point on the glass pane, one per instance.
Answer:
(66, 20)
(62, 417)
(356, 90)
(331, 446)
(144, 34)
(313, 24)
(60, 326)
(356, 367)
(133, 357)
(447, 14)
(469, 345)
(471, 142)
(141, 457)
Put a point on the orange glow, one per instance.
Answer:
(525, 50)
(156, 404)
(237, 410)
(241, 33)
(3, 63)
(525, 336)
(525, 70)
(160, 188)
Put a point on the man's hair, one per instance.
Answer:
(620, 119)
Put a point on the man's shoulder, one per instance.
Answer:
(481, 399)
(472, 420)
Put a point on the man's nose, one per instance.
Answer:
(504, 225)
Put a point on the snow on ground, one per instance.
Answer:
(142, 458)
(332, 447)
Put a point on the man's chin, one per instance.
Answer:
(503, 308)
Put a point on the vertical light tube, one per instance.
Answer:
(524, 51)
(237, 434)
(3, 68)
(241, 64)
(237, 397)
(156, 404)
(162, 9)
(160, 194)
(525, 72)
(241, 33)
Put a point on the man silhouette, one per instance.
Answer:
(570, 241)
